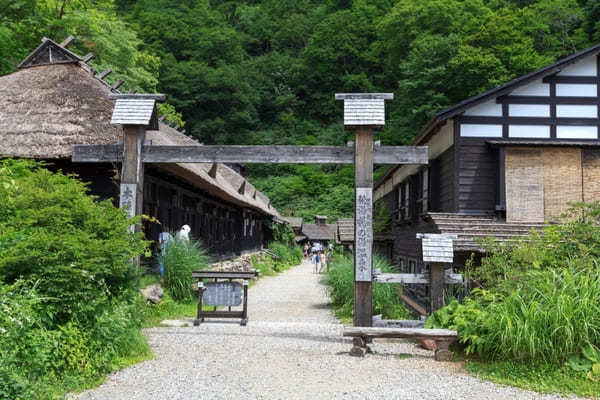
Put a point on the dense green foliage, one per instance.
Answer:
(180, 258)
(265, 72)
(66, 283)
(287, 256)
(538, 300)
(340, 282)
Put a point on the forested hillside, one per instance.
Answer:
(265, 72)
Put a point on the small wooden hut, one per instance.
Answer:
(320, 231)
(56, 100)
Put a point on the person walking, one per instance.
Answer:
(164, 238)
(315, 260)
(184, 233)
(322, 261)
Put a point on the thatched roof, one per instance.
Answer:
(46, 109)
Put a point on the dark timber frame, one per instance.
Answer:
(363, 112)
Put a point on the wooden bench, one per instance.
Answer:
(443, 338)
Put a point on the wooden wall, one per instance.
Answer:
(477, 176)
(446, 177)
(225, 230)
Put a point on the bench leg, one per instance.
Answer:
(359, 347)
(443, 352)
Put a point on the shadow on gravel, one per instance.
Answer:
(321, 306)
(316, 338)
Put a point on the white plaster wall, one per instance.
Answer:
(529, 110)
(573, 111)
(529, 131)
(480, 130)
(535, 88)
(576, 132)
(585, 67)
(489, 108)
(576, 90)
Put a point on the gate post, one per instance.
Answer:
(363, 112)
(136, 113)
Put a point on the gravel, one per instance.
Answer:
(292, 348)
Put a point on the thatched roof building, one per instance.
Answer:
(53, 103)
(56, 100)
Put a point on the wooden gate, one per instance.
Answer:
(363, 113)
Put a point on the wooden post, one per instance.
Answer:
(132, 170)
(363, 232)
(438, 251)
(437, 286)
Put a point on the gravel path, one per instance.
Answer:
(292, 348)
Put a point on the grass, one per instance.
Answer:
(340, 281)
(138, 351)
(542, 378)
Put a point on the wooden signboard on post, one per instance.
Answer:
(438, 251)
(363, 112)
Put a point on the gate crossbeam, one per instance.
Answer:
(251, 154)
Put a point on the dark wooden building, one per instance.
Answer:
(500, 163)
(56, 100)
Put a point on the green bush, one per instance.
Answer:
(180, 258)
(542, 296)
(340, 282)
(288, 255)
(66, 284)
(51, 231)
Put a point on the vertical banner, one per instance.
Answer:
(363, 235)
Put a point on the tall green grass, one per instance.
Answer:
(340, 282)
(180, 258)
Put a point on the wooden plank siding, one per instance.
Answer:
(224, 229)
(446, 187)
(477, 177)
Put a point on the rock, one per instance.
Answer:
(152, 293)
(428, 344)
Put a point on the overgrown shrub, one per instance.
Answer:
(53, 232)
(340, 281)
(180, 258)
(288, 255)
(66, 283)
(542, 296)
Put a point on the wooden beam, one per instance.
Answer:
(413, 333)
(213, 170)
(67, 41)
(88, 57)
(104, 74)
(242, 188)
(253, 154)
(118, 83)
(415, 278)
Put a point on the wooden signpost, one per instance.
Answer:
(363, 112)
(438, 252)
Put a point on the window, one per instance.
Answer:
(404, 201)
